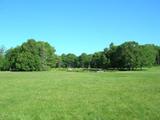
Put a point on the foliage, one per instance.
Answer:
(38, 55)
(31, 56)
(2, 58)
(99, 60)
(84, 60)
(130, 55)
(69, 60)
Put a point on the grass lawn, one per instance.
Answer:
(80, 95)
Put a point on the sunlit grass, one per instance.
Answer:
(60, 95)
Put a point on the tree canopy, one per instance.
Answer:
(39, 55)
(31, 56)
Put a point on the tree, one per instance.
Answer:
(2, 59)
(84, 60)
(105, 60)
(38, 55)
(148, 55)
(31, 56)
(157, 55)
(112, 55)
(98, 60)
(128, 54)
(58, 61)
(47, 54)
(69, 60)
(11, 58)
(131, 55)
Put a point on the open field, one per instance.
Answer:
(60, 95)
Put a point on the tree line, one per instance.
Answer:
(39, 56)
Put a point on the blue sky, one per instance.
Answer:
(78, 26)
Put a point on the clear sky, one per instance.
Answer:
(78, 26)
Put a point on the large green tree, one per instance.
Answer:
(128, 55)
(31, 56)
(97, 60)
(131, 55)
(148, 55)
(84, 60)
(69, 60)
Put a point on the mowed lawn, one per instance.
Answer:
(80, 95)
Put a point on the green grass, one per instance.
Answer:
(80, 96)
